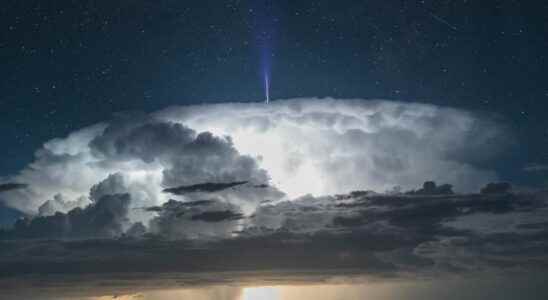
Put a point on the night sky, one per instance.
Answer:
(404, 146)
(68, 64)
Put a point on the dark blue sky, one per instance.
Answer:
(68, 64)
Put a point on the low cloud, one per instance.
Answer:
(4, 187)
(107, 218)
(381, 235)
(496, 188)
(217, 216)
(208, 187)
(196, 220)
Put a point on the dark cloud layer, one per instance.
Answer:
(378, 235)
(196, 220)
(208, 187)
(4, 187)
(217, 216)
(104, 219)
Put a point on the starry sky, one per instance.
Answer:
(69, 64)
(135, 139)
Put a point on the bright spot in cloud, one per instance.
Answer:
(261, 293)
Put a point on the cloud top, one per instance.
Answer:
(326, 146)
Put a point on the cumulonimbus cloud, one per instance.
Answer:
(281, 151)
(285, 186)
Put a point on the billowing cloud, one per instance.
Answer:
(377, 235)
(139, 155)
(327, 146)
(231, 178)
(107, 218)
(300, 146)
(58, 204)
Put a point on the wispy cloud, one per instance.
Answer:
(536, 168)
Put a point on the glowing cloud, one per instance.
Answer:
(297, 147)
(326, 146)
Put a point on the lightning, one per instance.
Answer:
(266, 88)
(265, 21)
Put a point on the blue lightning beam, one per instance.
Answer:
(266, 88)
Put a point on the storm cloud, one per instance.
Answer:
(298, 147)
(238, 186)
(377, 235)
(201, 219)
(328, 146)
(107, 218)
